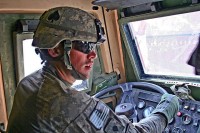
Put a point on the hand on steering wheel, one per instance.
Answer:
(129, 108)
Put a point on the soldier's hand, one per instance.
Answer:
(168, 106)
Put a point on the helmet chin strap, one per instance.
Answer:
(74, 73)
(65, 58)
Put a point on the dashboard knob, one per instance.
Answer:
(186, 119)
(141, 104)
(147, 111)
(124, 109)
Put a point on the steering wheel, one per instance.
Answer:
(129, 108)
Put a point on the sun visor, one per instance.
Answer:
(116, 4)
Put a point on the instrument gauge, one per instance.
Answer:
(141, 104)
(147, 111)
(186, 119)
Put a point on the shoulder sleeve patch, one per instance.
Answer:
(99, 116)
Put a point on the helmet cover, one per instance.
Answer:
(64, 23)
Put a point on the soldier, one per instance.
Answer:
(45, 102)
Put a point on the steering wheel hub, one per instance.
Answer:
(126, 109)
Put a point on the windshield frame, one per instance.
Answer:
(133, 52)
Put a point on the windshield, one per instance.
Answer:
(165, 44)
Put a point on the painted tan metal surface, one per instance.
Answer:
(3, 114)
(115, 43)
(39, 6)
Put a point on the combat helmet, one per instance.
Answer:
(67, 23)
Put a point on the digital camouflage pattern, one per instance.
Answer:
(168, 105)
(44, 103)
(64, 23)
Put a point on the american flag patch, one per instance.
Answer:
(99, 115)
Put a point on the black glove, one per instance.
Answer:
(168, 106)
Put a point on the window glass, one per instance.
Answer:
(165, 44)
(32, 61)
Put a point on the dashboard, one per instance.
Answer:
(187, 119)
(138, 103)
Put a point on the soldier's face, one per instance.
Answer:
(82, 62)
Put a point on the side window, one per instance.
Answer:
(26, 60)
(31, 61)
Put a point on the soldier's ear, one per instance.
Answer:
(54, 52)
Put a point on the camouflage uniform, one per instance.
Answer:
(44, 103)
